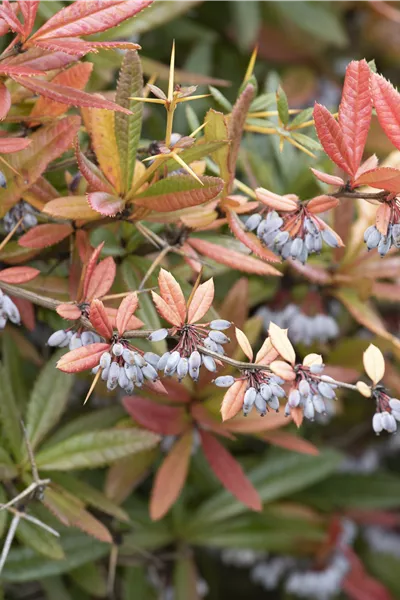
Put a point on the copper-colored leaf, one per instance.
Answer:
(69, 311)
(167, 420)
(275, 201)
(105, 204)
(229, 471)
(99, 319)
(281, 343)
(374, 363)
(18, 274)
(383, 178)
(267, 353)
(331, 137)
(90, 267)
(232, 402)
(387, 104)
(383, 215)
(244, 343)
(125, 311)
(91, 172)
(45, 235)
(171, 292)
(170, 477)
(5, 100)
(101, 279)
(249, 239)
(133, 323)
(10, 145)
(83, 358)
(165, 310)
(71, 207)
(201, 302)
(322, 203)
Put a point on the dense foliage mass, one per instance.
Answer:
(146, 248)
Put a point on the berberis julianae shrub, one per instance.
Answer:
(121, 258)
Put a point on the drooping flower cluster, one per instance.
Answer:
(302, 328)
(73, 339)
(291, 228)
(386, 232)
(187, 356)
(23, 213)
(8, 311)
(263, 390)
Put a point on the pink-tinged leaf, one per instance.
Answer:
(10, 18)
(229, 471)
(105, 204)
(232, 402)
(314, 273)
(244, 343)
(9, 145)
(78, 48)
(4, 26)
(355, 111)
(165, 311)
(254, 424)
(93, 175)
(172, 294)
(99, 319)
(167, 420)
(133, 323)
(382, 218)
(170, 477)
(27, 312)
(67, 95)
(18, 274)
(326, 178)
(331, 137)
(83, 358)
(125, 311)
(201, 415)
(91, 267)
(101, 279)
(281, 343)
(290, 442)
(282, 369)
(69, 311)
(369, 164)
(86, 18)
(267, 353)
(45, 235)
(5, 101)
(383, 178)
(231, 258)
(320, 204)
(75, 77)
(29, 10)
(387, 105)
(41, 59)
(201, 302)
(249, 239)
(282, 203)
(359, 585)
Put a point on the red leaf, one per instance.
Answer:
(170, 477)
(204, 418)
(355, 111)
(229, 471)
(78, 48)
(5, 100)
(290, 442)
(249, 239)
(359, 585)
(231, 258)
(9, 145)
(172, 294)
(83, 245)
(326, 178)
(4, 26)
(105, 204)
(18, 274)
(165, 310)
(232, 402)
(69, 311)
(387, 105)
(10, 18)
(85, 18)
(125, 311)
(45, 235)
(167, 420)
(99, 319)
(29, 10)
(102, 279)
(331, 137)
(93, 175)
(322, 203)
(201, 302)
(133, 323)
(91, 267)
(67, 95)
(83, 358)
(27, 312)
(383, 178)
(44, 60)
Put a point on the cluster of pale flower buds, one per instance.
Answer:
(375, 239)
(63, 338)
(310, 391)
(304, 329)
(263, 391)
(126, 367)
(308, 239)
(185, 358)
(8, 311)
(23, 211)
(389, 413)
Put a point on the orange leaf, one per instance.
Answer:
(249, 239)
(382, 178)
(10, 145)
(133, 323)
(170, 477)
(106, 204)
(290, 442)
(99, 319)
(282, 369)
(45, 235)
(171, 292)
(267, 353)
(326, 178)
(163, 419)
(229, 471)
(18, 274)
(102, 279)
(322, 203)
(71, 207)
(383, 217)
(165, 310)
(5, 101)
(91, 265)
(83, 358)
(244, 343)
(281, 343)
(125, 311)
(275, 201)
(69, 311)
(254, 424)
(331, 137)
(232, 402)
(201, 301)
(297, 415)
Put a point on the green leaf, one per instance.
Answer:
(94, 449)
(302, 117)
(220, 99)
(12, 362)
(263, 102)
(247, 20)
(24, 564)
(283, 106)
(9, 415)
(7, 469)
(385, 567)
(196, 152)
(91, 579)
(136, 584)
(185, 579)
(280, 474)
(3, 513)
(39, 539)
(217, 129)
(48, 401)
(372, 65)
(192, 118)
(306, 141)
(128, 127)
(54, 588)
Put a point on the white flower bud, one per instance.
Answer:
(218, 337)
(87, 338)
(149, 372)
(210, 345)
(139, 360)
(152, 358)
(3, 322)
(326, 390)
(250, 397)
(194, 365)
(158, 335)
(95, 370)
(276, 390)
(294, 398)
(260, 404)
(129, 388)
(105, 373)
(131, 371)
(75, 341)
(316, 369)
(253, 222)
(113, 374)
(304, 387)
(319, 404)
(163, 361)
(182, 368)
(57, 338)
(127, 355)
(105, 360)
(220, 324)
(117, 349)
(273, 402)
(394, 404)
(265, 391)
(123, 379)
(377, 424)
(172, 363)
(209, 363)
(11, 310)
(309, 409)
(388, 422)
(224, 381)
